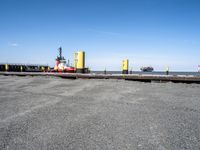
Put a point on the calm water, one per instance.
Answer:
(156, 73)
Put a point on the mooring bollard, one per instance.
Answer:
(131, 71)
(167, 71)
(6, 67)
(105, 71)
(21, 68)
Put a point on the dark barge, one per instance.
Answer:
(11, 67)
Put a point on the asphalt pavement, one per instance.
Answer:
(89, 114)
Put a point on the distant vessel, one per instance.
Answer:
(147, 69)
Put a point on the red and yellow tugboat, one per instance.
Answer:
(61, 65)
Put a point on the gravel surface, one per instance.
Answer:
(54, 113)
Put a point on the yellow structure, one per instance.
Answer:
(21, 68)
(125, 66)
(167, 70)
(42, 68)
(49, 69)
(6, 67)
(79, 61)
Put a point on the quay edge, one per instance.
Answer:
(131, 77)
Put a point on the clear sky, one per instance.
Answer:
(159, 33)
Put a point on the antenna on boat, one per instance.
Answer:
(60, 52)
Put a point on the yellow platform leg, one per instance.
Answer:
(79, 62)
(125, 66)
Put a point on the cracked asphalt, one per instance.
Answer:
(55, 113)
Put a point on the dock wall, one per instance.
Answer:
(130, 77)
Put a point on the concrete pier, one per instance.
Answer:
(133, 77)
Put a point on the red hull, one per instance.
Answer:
(69, 70)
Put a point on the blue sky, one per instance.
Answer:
(159, 33)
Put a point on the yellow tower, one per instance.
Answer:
(79, 62)
(125, 65)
